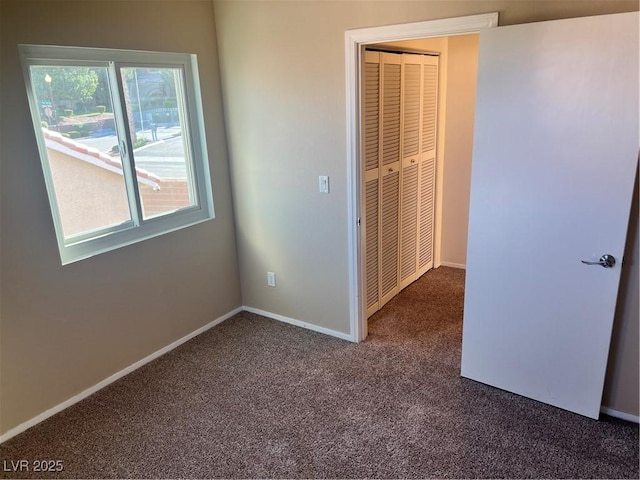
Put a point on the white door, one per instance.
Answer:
(390, 100)
(555, 154)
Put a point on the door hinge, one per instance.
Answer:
(358, 221)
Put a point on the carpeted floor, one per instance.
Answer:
(257, 398)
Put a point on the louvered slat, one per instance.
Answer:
(409, 225)
(411, 110)
(429, 107)
(371, 241)
(371, 115)
(391, 113)
(427, 191)
(389, 232)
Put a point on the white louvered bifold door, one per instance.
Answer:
(391, 72)
(399, 111)
(371, 158)
(427, 173)
(411, 109)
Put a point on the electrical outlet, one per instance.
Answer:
(271, 279)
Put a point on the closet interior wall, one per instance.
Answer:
(400, 97)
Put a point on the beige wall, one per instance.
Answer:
(427, 45)
(623, 371)
(173, 194)
(89, 197)
(462, 69)
(64, 329)
(283, 76)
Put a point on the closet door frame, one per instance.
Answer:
(355, 43)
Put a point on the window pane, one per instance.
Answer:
(99, 199)
(155, 109)
(76, 115)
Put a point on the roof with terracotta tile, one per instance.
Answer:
(96, 157)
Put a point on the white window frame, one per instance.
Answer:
(88, 244)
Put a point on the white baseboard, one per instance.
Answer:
(300, 323)
(116, 376)
(453, 265)
(621, 415)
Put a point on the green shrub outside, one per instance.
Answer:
(140, 142)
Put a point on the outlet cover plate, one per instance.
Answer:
(323, 183)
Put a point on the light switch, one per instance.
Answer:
(323, 183)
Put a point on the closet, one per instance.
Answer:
(399, 112)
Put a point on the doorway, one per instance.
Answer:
(530, 112)
(356, 41)
(435, 96)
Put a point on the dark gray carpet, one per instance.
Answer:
(257, 398)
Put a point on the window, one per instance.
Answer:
(122, 144)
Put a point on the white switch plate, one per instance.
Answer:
(323, 183)
(271, 279)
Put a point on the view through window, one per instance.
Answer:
(117, 143)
